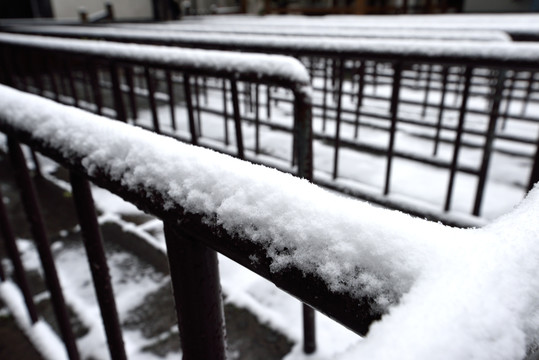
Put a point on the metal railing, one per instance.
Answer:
(195, 234)
(423, 90)
(63, 71)
(191, 239)
(355, 88)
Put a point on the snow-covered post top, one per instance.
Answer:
(282, 70)
(459, 294)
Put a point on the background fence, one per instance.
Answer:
(401, 108)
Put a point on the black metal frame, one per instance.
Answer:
(190, 330)
(372, 68)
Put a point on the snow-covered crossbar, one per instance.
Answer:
(440, 291)
(514, 24)
(275, 68)
(176, 30)
(500, 52)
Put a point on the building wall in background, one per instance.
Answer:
(123, 9)
(497, 5)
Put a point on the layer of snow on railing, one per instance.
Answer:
(337, 31)
(513, 23)
(451, 293)
(472, 50)
(269, 65)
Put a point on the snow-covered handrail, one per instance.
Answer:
(254, 67)
(455, 293)
(509, 54)
(308, 31)
(515, 24)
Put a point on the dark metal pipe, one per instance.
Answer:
(31, 207)
(190, 112)
(338, 120)
(171, 102)
(458, 139)
(128, 73)
(117, 92)
(225, 113)
(361, 87)
(197, 293)
(94, 82)
(237, 119)
(18, 268)
(445, 71)
(151, 98)
(397, 73)
(489, 140)
(95, 251)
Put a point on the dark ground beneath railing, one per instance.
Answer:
(247, 337)
(13, 343)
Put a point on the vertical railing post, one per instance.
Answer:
(95, 252)
(361, 87)
(94, 83)
(117, 92)
(225, 113)
(73, 89)
(2, 273)
(257, 119)
(445, 71)
(8, 74)
(151, 99)
(394, 110)
(268, 102)
(509, 97)
(427, 90)
(458, 138)
(128, 73)
(304, 146)
(31, 207)
(37, 73)
(171, 102)
(338, 116)
(534, 176)
(189, 103)
(237, 118)
(194, 273)
(529, 90)
(489, 139)
(325, 95)
(18, 268)
(51, 69)
(197, 105)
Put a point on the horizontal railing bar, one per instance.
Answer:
(275, 70)
(355, 313)
(492, 54)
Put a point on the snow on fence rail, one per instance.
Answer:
(448, 107)
(452, 292)
(90, 63)
(279, 69)
(519, 26)
(228, 69)
(172, 30)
